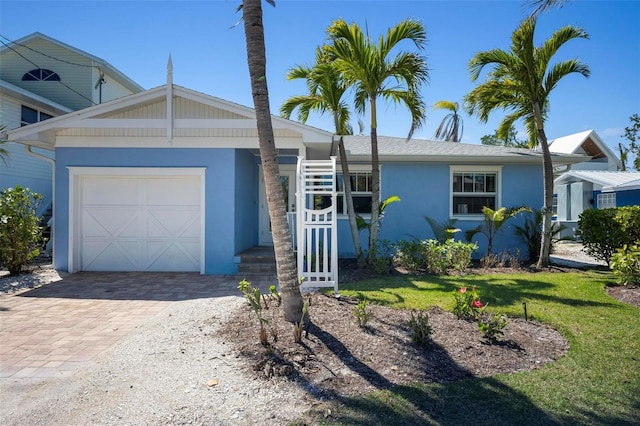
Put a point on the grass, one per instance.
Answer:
(597, 382)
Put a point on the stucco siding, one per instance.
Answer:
(424, 191)
(219, 194)
(246, 201)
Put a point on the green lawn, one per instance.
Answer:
(597, 382)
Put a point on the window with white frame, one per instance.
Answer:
(606, 200)
(360, 192)
(473, 188)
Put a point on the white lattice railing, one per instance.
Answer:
(316, 233)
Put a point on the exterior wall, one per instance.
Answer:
(219, 199)
(424, 190)
(623, 198)
(79, 78)
(21, 168)
(246, 201)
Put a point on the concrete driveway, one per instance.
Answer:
(55, 329)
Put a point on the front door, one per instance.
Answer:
(288, 182)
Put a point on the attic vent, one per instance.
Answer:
(41, 74)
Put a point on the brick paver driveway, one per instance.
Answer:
(54, 329)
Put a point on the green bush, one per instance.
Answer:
(420, 328)
(602, 232)
(433, 256)
(19, 228)
(625, 264)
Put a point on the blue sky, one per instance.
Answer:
(209, 56)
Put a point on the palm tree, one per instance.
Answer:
(451, 127)
(492, 222)
(326, 89)
(520, 82)
(541, 6)
(368, 67)
(285, 261)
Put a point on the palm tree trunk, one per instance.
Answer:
(375, 183)
(547, 176)
(285, 262)
(351, 211)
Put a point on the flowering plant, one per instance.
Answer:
(467, 303)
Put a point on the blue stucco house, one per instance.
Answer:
(169, 179)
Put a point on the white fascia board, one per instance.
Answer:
(177, 142)
(32, 98)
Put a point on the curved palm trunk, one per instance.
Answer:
(375, 183)
(285, 262)
(351, 211)
(547, 176)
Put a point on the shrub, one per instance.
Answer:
(467, 303)
(420, 328)
(625, 264)
(604, 231)
(433, 256)
(19, 228)
(491, 325)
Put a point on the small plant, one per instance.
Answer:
(252, 294)
(299, 327)
(492, 325)
(625, 264)
(19, 228)
(361, 314)
(274, 293)
(467, 303)
(420, 328)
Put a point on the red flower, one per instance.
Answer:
(463, 290)
(476, 304)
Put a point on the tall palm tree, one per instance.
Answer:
(520, 82)
(451, 127)
(368, 66)
(326, 90)
(285, 261)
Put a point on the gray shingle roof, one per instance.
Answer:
(399, 149)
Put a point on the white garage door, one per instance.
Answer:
(140, 223)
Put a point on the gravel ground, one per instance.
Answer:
(172, 370)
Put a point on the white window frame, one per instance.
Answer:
(354, 168)
(474, 169)
(606, 200)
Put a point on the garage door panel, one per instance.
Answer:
(105, 190)
(140, 223)
(173, 222)
(184, 191)
(106, 222)
(100, 255)
(162, 255)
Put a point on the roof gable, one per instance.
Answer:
(193, 115)
(585, 143)
(61, 73)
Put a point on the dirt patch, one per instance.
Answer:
(627, 294)
(339, 358)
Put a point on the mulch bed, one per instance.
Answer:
(339, 358)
